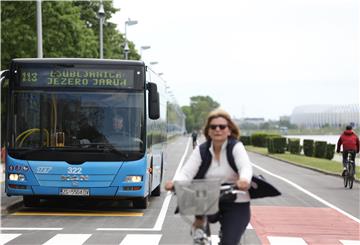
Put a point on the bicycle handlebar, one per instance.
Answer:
(230, 188)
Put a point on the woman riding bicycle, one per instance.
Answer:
(233, 216)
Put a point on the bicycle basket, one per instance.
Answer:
(198, 197)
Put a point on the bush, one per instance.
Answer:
(260, 139)
(294, 146)
(308, 147)
(276, 144)
(320, 149)
(330, 151)
(246, 140)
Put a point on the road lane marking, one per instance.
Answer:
(133, 239)
(4, 238)
(161, 217)
(104, 214)
(72, 239)
(350, 242)
(29, 229)
(282, 240)
(308, 193)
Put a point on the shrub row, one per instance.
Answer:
(246, 140)
(294, 146)
(260, 139)
(278, 144)
(319, 149)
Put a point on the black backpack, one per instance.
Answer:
(206, 157)
(259, 186)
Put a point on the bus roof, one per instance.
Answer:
(76, 61)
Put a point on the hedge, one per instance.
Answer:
(260, 139)
(276, 144)
(308, 146)
(330, 151)
(320, 149)
(246, 140)
(294, 146)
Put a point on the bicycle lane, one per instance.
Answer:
(301, 216)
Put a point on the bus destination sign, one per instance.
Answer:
(77, 77)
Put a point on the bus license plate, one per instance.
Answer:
(75, 192)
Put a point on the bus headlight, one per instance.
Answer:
(17, 177)
(133, 178)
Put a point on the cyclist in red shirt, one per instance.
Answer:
(350, 144)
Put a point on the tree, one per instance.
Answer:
(197, 112)
(70, 29)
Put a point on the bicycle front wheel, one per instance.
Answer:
(351, 176)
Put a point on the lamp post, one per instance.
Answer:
(39, 29)
(129, 22)
(143, 48)
(101, 15)
(154, 62)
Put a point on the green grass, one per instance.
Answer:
(312, 162)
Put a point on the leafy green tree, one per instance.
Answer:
(189, 120)
(65, 34)
(18, 31)
(197, 112)
(70, 29)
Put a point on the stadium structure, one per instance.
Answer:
(317, 116)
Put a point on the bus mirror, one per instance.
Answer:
(3, 75)
(153, 103)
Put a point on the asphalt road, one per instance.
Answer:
(314, 209)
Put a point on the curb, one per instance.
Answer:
(302, 166)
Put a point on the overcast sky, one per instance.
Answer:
(257, 58)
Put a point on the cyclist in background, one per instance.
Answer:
(194, 138)
(350, 144)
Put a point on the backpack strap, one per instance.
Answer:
(206, 157)
(230, 157)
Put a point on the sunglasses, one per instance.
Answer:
(221, 126)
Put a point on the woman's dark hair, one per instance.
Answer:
(234, 129)
(348, 127)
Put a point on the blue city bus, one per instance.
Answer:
(84, 128)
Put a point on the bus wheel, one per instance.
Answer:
(141, 203)
(30, 201)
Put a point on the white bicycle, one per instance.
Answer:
(201, 198)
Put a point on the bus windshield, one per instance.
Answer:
(78, 121)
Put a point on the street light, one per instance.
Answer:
(129, 22)
(101, 15)
(154, 62)
(39, 29)
(160, 73)
(143, 48)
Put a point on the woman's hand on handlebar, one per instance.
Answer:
(169, 185)
(243, 184)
